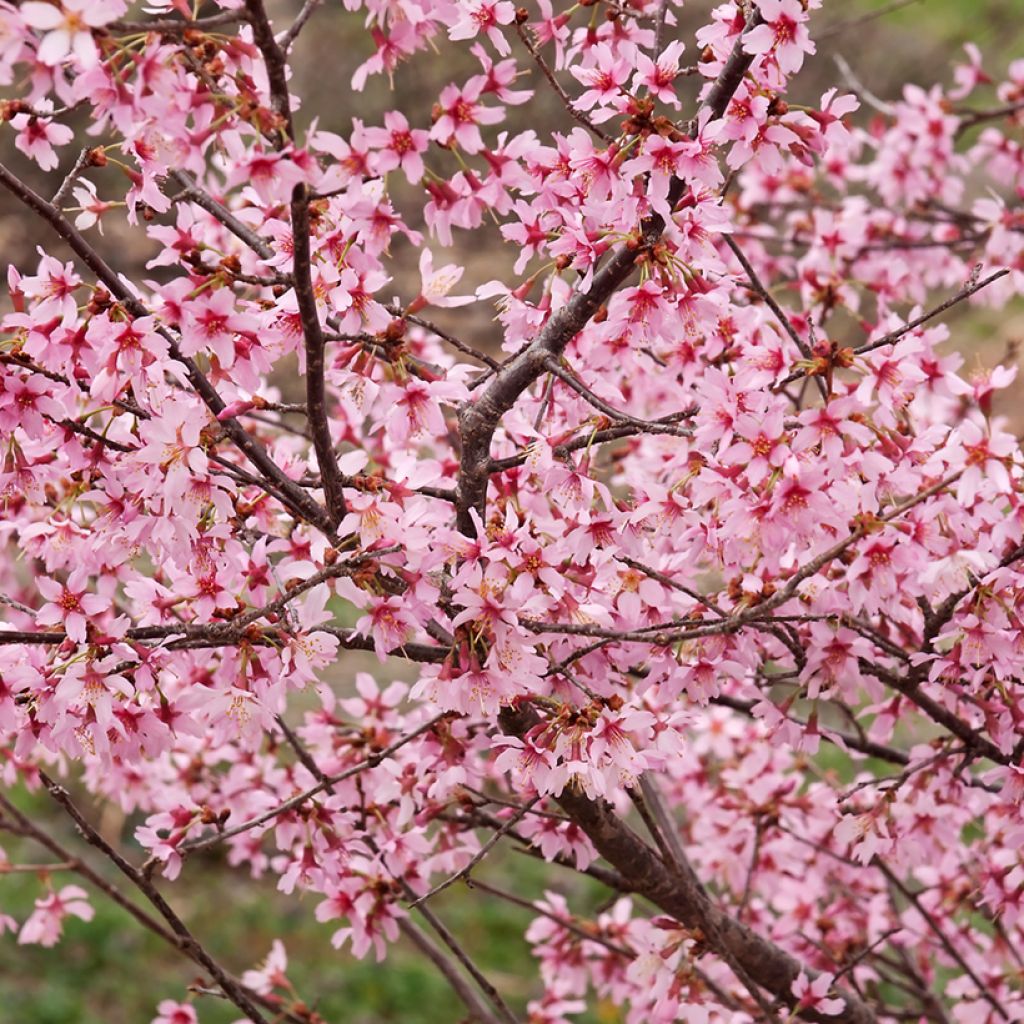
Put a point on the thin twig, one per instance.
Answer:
(842, 27)
(780, 314)
(984, 991)
(191, 192)
(365, 765)
(298, 24)
(61, 195)
(184, 939)
(644, 426)
(479, 856)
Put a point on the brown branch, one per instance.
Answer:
(678, 892)
(972, 118)
(312, 330)
(570, 380)
(326, 783)
(61, 195)
(858, 743)
(444, 335)
(275, 61)
(591, 439)
(85, 871)
(182, 936)
(479, 420)
(780, 314)
(191, 192)
(168, 27)
(842, 27)
(755, 613)
(973, 285)
(308, 8)
(910, 688)
(590, 933)
(437, 956)
(22, 825)
(983, 989)
(479, 856)
(966, 292)
(434, 953)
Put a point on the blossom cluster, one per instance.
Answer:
(716, 538)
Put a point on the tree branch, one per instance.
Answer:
(183, 938)
(300, 501)
(479, 420)
(680, 894)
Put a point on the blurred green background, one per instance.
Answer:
(110, 971)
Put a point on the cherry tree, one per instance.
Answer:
(706, 557)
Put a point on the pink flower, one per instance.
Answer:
(68, 27)
(764, 447)
(605, 82)
(271, 973)
(476, 16)
(24, 402)
(45, 924)
(91, 208)
(212, 321)
(811, 995)
(69, 604)
(309, 649)
(658, 77)
(438, 283)
(783, 34)
(388, 621)
(38, 135)
(461, 115)
(171, 443)
(986, 456)
(399, 146)
(272, 175)
(171, 1012)
(983, 385)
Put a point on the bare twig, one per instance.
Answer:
(61, 195)
(298, 24)
(192, 193)
(780, 314)
(183, 937)
(842, 27)
(437, 956)
(261, 819)
(857, 86)
(644, 426)
(479, 856)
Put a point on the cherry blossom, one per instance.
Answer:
(170, 1012)
(643, 448)
(67, 27)
(46, 922)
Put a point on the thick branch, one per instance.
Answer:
(479, 420)
(312, 330)
(681, 895)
